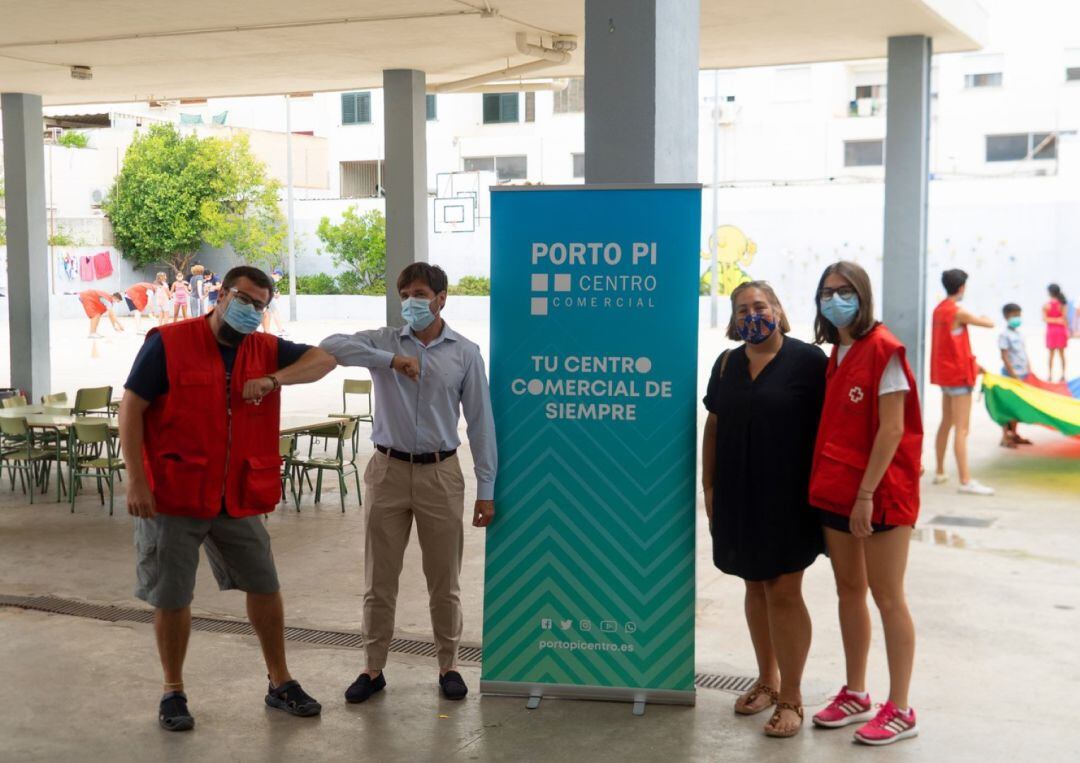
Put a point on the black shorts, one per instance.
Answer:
(130, 304)
(835, 521)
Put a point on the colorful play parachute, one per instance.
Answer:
(1033, 402)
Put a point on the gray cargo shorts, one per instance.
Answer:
(167, 549)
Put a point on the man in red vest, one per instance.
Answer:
(953, 368)
(197, 479)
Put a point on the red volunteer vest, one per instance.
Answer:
(952, 364)
(849, 423)
(203, 445)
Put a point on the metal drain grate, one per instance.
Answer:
(736, 684)
(961, 521)
(469, 655)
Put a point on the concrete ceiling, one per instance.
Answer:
(154, 50)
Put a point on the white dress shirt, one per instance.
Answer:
(421, 416)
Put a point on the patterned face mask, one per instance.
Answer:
(755, 328)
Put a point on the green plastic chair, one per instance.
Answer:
(55, 399)
(103, 467)
(92, 401)
(15, 401)
(338, 463)
(287, 451)
(357, 388)
(30, 463)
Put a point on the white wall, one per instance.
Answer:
(781, 159)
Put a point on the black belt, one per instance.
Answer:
(416, 458)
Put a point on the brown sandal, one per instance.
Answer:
(780, 706)
(751, 697)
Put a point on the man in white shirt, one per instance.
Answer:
(425, 374)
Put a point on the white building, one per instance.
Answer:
(798, 165)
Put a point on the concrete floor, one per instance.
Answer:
(997, 611)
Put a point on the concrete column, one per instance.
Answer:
(907, 152)
(27, 252)
(405, 180)
(641, 91)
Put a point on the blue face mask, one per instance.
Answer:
(417, 313)
(1014, 323)
(241, 317)
(755, 328)
(839, 311)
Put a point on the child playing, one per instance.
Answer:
(1057, 328)
(180, 292)
(1015, 359)
(161, 298)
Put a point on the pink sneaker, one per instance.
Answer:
(888, 726)
(845, 708)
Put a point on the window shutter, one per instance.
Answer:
(348, 108)
(363, 108)
(509, 107)
(491, 107)
(530, 107)
(432, 108)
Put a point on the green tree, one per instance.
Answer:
(73, 139)
(471, 286)
(358, 243)
(174, 192)
(242, 209)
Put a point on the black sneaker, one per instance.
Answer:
(292, 699)
(173, 713)
(453, 685)
(364, 686)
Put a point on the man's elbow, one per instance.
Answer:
(325, 362)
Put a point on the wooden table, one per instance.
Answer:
(294, 423)
(57, 418)
(34, 410)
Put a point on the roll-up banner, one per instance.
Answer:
(589, 589)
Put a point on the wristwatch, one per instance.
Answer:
(277, 384)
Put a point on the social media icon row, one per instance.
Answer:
(606, 626)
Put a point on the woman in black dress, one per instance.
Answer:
(764, 401)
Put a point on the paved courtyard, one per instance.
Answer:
(997, 609)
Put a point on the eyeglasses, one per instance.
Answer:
(845, 292)
(246, 300)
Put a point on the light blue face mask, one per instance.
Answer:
(417, 313)
(241, 317)
(839, 311)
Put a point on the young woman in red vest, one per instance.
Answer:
(865, 483)
(953, 368)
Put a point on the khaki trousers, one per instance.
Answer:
(396, 492)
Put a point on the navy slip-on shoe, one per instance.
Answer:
(453, 685)
(363, 687)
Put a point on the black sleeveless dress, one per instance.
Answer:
(763, 525)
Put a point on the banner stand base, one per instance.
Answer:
(535, 692)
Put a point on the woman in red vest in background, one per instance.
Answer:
(865, 483)
(953, 368)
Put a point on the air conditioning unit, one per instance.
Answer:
(97, 196)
